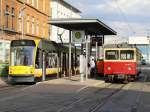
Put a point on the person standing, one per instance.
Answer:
(92, 67)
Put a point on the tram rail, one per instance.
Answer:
(84, 95)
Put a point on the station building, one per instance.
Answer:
(62, 9)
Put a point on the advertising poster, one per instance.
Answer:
(4, 57)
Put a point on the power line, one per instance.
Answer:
(124, 16)
(130, 28)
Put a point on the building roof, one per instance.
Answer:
(68, 5)
(90, 26)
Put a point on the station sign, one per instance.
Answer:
(145, 40)
(99, 40)
(78, 36)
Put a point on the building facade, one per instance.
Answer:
(62, 9)
(27, 17)
(22, 19)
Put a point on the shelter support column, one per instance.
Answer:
(61, 64)
(58, 66)
(82, 68)
(70, 74)
(43, 67)
(96, 49)
(75, 59)
(86, 66)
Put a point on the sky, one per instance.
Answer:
(127, 17)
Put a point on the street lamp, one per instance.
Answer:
(21, 16)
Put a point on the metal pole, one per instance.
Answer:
(96, 50)
(103, 42)
(43, 68)
(81, 64)
(58, 66)
(86, 57)
(61, 65)
(149, 50)
(148, 46)
(75, 59)
(70, 55)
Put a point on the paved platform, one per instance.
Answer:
(75, 80)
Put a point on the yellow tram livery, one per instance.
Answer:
(26, 59)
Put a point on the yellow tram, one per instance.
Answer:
(26, 59)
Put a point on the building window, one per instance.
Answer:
(43, 30)
(6, 16)
(37, 27)
(28, 1)
(37, 4)
(32, 26)
(33, 3)
(44, 5)
(13, 15)
(28, 24)
(19, 24)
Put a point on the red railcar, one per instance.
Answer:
(121, 63)
(100, 67)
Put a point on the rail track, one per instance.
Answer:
(104, 100)
(108, 89)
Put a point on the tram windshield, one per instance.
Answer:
(126, 54)
(22, 56)
(112, 54)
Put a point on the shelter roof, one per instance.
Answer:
(90, 26)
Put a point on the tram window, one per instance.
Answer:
(38, 61)
(126, 54)
(51, 60)
(112, 54)
(22, 56)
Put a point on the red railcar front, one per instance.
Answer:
(120, 63)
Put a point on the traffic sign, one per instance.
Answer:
(78, 36)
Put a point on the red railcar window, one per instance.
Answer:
(126, 54)
(112, 55)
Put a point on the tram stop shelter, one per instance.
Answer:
(89, 26)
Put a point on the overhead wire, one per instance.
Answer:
(124, 17)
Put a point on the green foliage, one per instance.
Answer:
(4, 69)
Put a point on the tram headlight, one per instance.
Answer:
(129, 68)
(108, 68)
(31, 71)
(10, 70)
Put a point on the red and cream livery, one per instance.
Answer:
(121, 63)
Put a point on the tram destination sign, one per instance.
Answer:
(22, 43)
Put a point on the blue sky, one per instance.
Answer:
(127, 17)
